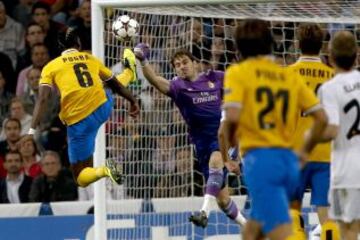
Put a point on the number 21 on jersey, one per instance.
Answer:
(271, 99)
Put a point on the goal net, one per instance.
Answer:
(162, 185)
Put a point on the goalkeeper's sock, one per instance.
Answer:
(232, 212)
(89, 175)
(213, 187)
(126, 77)
(209, 201)
(297, 225)
(330, 231)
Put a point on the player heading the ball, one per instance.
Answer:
(84, 84)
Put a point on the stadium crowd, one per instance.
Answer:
(153, 149)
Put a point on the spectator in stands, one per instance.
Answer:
(12, 128)
(181, 181)
(83, 24)
(59, 9)
(30, 154)
(7, 71)
(54, 138)
(22, 12)
(217, 53)
(5, 98)
(15, 187)
(222, 54)
(200, 44)
(11, 36)
(164, 162)
(218, 27)
(34, 34)
(137, 158)
(55, 184)
(31, 95)
(39, 57)
(17, 111)
(41, 15)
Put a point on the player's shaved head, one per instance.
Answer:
(343, 50)
(69, 39)
(310, 38)
(253, 37)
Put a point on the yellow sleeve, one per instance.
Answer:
(125, 77)
(104, 72)
(233, 89)
(307, 97)
(46, 76)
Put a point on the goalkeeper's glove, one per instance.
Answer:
(142, 52)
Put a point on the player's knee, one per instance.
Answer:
(223, 201)
(77, 167)
(295, 205)
(216, 160)
(330, 230)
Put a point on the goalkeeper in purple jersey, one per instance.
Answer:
(198, 97)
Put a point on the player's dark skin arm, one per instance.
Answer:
(330, 133)
(315, 135)
(226, 136)
(40, 105)
(119, 89)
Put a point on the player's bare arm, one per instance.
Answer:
(40, 106)
(226, 133)
(119, 89)
(142, 52)
(316, 132)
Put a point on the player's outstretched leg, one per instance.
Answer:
(214, 186)
(228, 206)
(85, 174)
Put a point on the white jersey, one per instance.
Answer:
(341, 100)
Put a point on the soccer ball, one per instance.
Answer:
(125, 28)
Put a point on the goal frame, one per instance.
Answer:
(97, 38)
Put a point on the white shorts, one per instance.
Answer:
(344, 204)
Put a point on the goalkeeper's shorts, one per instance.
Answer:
(203, 149)
(81, 135)
(270, 175)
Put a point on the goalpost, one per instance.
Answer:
(162, 186)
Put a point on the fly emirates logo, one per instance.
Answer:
(205, 97)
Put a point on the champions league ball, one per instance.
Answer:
(125, 28)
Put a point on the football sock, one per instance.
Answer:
(125, 77)
(232, 212)
(213, 187)
(89, 175)
(297, 225)
(330, 231)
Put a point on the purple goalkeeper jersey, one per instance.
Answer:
(199, 102)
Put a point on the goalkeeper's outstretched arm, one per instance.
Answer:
(163, 85)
